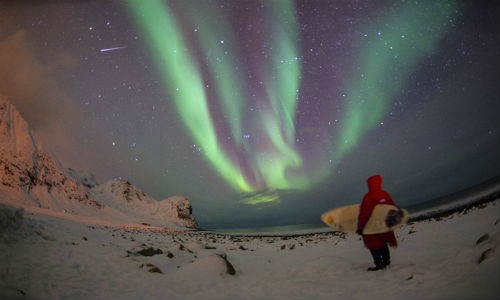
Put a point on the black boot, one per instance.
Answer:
(377, 259)
(386, 256)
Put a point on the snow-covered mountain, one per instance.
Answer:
(129, 199)
(28, 173)
(29, 176)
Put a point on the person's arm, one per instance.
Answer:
(365, 212)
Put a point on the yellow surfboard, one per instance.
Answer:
(384, 218)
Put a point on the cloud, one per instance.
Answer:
(30, 83)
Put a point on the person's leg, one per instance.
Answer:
(385, 256)
(377, 259)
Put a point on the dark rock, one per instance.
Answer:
(229, 267)
(149, 252)
(483, 239)
(486, 253)
(154, 269)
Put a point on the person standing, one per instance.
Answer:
(376, 243)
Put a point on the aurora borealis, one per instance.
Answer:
(259, 152)
(245, 164)
(262, 112)
(387, 58)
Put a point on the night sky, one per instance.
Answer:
(261, 112)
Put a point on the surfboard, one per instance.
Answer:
(384, 218)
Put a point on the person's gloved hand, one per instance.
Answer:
(359, 231)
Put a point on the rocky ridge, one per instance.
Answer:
(29, 175)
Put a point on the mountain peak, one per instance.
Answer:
(28, 172)
(29, 176)
(15, 133)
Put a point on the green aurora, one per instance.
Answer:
(260, 153)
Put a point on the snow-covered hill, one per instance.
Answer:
(31, 178)
(129, 199)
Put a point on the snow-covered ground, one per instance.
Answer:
(49, 257)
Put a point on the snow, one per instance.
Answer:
(127, 198)
(48, 257)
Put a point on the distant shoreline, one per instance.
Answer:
(464, 208)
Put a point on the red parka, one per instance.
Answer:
(375, 196)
